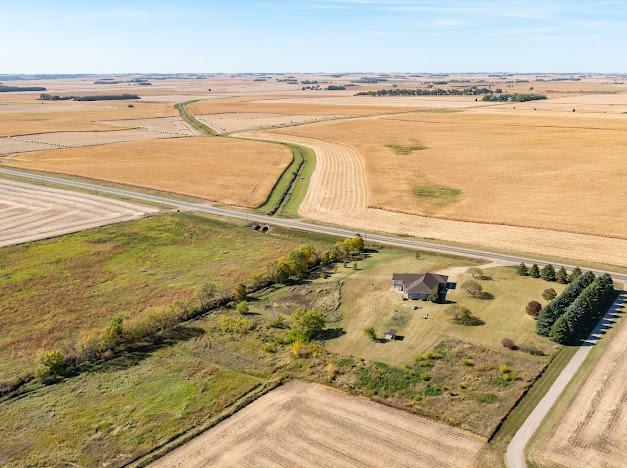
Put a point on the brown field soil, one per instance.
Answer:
(338, 194)
(215, 169)
(37, 118)
(165, 125)
(302, 424)
(30, 212)
(593, 429)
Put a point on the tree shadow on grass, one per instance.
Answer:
(136, 353)
(331, 333)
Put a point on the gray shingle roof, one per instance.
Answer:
(421, 283)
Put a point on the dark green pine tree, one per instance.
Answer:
(562, 276)
(576, 273)
(534, 271)
(522, 269)
(559, 331)
(548, 273)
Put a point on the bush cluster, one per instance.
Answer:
(584, 312)
(553, 310)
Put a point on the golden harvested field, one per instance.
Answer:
(338, 194)
(477, 167)
(396, 102)
(593, 430)
(238, 121)
(70, 117)
(302, 424)
(224, 170)
(281, 105)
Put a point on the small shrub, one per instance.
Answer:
(425, 377)
(533, 308)
(467, 362)
(508, 343)
(270, 348)
(240, 292)
(242, 308)
(432, 391)
(50, 364)
(531, 349)
(239, 325)
(279, 322)
(522, 270)
(549, 294)
(476, 272)
(297, 348)
(462, 385)
(504, 368)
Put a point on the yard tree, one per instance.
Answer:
(370, 333)
(51, 363)
(562, 276)
(297, 261)
(534, 308)
(522, 269)
(473, 288)
(560, 332)
(281, 271)
(240, 293)
(206, 293)
(534, 271)
(576, 273)
(476, 272)
(434, 295)
(549, 294)
(306, 324)
(548, 273)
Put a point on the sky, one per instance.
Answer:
(230, 36)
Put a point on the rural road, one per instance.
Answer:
(515, 454)
(289, 223)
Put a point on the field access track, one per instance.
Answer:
(31, 212)
(302, 424)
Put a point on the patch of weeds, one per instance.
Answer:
(386, 381)
(485, 398)
(432, 391)
(402, 150)
(436, 191)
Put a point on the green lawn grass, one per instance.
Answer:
(57, 290)
(367, 300)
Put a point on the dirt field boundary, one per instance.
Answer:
(184, 437)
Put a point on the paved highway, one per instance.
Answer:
(289, 223)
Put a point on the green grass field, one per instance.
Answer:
(55, 291)
(123, 408)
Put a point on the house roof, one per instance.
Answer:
(421, 283)
(391, 331)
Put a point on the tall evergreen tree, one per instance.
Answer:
(534, 271)
(548, 273)
(562, 276)
(576, 273)
(522, 269)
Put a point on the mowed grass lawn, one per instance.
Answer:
(56, 291)
(367, 300)
(120, 410)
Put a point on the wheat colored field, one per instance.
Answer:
(67, 116)
(547, 172)
(235, 172)
(302, 424)
(593, 430)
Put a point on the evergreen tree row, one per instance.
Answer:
(584, 312)
(556, 308)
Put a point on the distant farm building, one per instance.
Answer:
(419, 286)
(390, 334)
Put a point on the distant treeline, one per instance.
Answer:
(470, 91)
(110, 81)
(101, 97)
(516, 97)
(11, 89)
(38, 77)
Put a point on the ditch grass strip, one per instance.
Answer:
(193, 121)
(290, 189)
(186, 436)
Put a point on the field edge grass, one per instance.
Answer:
(193, 121)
